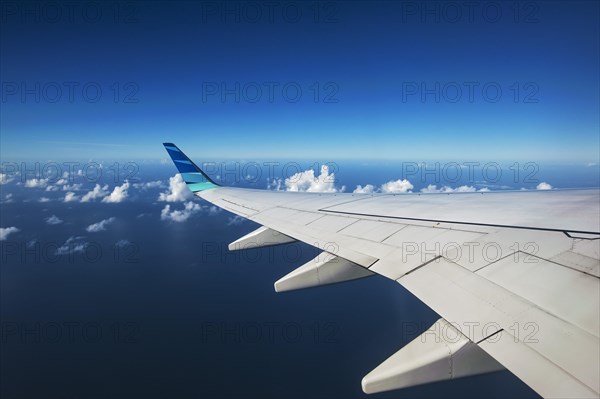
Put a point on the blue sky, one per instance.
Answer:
(349, 81)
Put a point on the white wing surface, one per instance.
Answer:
(514, 276)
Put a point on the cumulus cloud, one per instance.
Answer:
(36, 183)
(5, 231)
(177, 215)
(70, 197)
(71, 246)
(396, 186)
(544, 186)
(100, 226)
(405, 186)
(118, 194)
(4, 178)
(149, 185)
(432, 188)
(178, 191)
(97, 192)
(391, 187)
(44, 199)
(367, 189)
(53, 220)
(235, 220)
(8, 198)
(307, 182)
(72, 187)
(51, 188)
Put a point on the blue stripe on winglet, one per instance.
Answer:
(195, 179)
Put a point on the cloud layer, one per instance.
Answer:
(307, 182)
(96, 193)
(53, 220)
(432, 188)
(5, 179)
(178, 191)
(71, 246)
(118, 194)
(182, 215)
(6, 231)
(391, 187)
(100, 226)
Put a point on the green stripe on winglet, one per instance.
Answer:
(195, 187)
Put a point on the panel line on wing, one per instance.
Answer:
(455, 222)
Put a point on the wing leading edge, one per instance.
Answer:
(515, 276)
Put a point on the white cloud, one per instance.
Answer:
(53, 220)
(72, 245)
(122, 243)
(307, 182)
(8, 198)
(5, 231)
(118, 194)
(432, 188)
(397, 186)
(61, 182)
(51, 188)
(391, 187)
(72, 187)
(100, 226)
(4, 178)
(36, 183)
(150, 184)
(367, 189)
(44, 199)
(180, 215)
(70, 197)
(405, 186)
(275, 184)
(97, 192)
(178, 191)
(235, 220)
(544, 186)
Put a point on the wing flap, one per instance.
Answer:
(482, 308)
(542, 375)
(554, 288)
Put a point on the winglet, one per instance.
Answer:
(193, 176)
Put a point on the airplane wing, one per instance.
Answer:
(514, 276)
